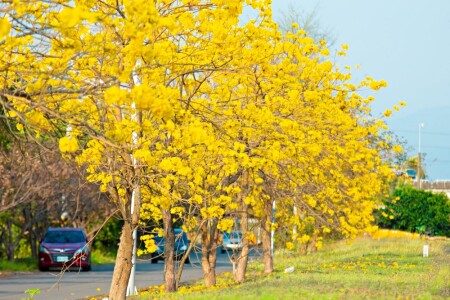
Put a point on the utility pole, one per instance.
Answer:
(272, 232)
(131, 287)
(419, 161)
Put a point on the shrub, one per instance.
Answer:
(108, 238)
(416, 210)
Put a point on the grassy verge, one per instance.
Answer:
(103, 257)
(31, 264)
(20, 265)
(384, 268)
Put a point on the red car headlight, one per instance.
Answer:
(43, 249)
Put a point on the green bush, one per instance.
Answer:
(24, 264)
(416, 210)
(108, 238)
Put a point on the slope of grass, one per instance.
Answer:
(384, 268)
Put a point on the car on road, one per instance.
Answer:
(411, 173)
(64, 247)
(181, 246)
(231, 241)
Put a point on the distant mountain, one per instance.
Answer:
(435, 137)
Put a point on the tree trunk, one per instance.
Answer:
(169, 255)
(239, 275)
(14, 237)
(303, 248)
(9, 247)
(122, 268)
(209, 251)
(33, 244)
(182, 262)
(314, 243)
(125, 258)
(28, 216)
(266, 238)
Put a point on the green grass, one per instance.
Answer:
(390, 268)
(31, 264)
(19, 265)
(102, 257)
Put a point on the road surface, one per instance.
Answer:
(74, 285)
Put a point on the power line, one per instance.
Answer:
(440, 161)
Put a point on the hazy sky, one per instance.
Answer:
(406, 43)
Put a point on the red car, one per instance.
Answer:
(64, 247)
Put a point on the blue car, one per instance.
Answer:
(411, 173)
(181, 246)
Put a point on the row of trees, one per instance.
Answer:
(184, 112)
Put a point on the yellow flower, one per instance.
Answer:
(387, 113)
(68, 144)
(290, 245)
(397, 148)
(5, 27)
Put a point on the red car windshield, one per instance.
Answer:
(61, 237)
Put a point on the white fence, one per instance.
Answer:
(437, 186)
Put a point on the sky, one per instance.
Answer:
(406, 43)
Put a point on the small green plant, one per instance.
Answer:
(31, 293)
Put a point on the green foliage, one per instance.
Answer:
(4, 139)
(101, 256)
(24, 264)
(31, 293)
(11, 230)
(7, 131)
(416, 210)
(107, 239)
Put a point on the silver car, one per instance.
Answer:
(231, 241)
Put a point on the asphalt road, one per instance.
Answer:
(74, 285)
